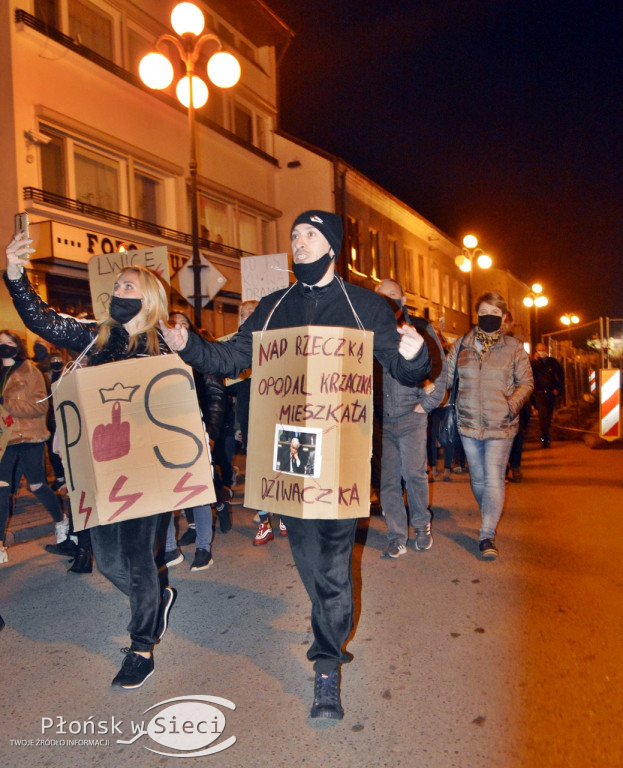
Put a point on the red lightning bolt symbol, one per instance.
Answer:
(181, 487)
(82, 510)
(128, 499)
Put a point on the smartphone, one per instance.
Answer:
(22, 224)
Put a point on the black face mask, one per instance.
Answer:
(123, 310)
(489, 323)
(40, 352)
(7, 352)
(310, 274)
(56, 365)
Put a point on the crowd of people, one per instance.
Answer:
(416, 368)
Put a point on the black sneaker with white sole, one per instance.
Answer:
(134, 670)
(166, 603)
(173, 557)
(203, 559)
(488, 550)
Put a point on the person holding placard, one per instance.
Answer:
(124, 551)
(322, 548)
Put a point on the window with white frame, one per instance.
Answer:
(74, 167)
(422, 282)
(435, 284)
(409, 270)
(375, 255)
(455, 293)
(214, 220)
(446, 290)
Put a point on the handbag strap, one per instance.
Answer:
(455, 381)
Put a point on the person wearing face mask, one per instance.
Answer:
(322, 549)
(549, 383)
(124, 551)
(23, 397)
(494, 381)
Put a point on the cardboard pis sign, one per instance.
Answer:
(132, 440)
(261, 275)
(104, 268)
(310, 425)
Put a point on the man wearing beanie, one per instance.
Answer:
(322, 549)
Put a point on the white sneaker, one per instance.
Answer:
(61, 529)
(4, 557)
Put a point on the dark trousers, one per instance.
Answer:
(31, 460)
(544, 402)
(323, 551)
(124, 553)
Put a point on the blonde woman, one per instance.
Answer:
(124, 551)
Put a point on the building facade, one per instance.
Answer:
(101, 163)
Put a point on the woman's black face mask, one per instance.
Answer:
(7, 352)
(123, 310)
(490, 323)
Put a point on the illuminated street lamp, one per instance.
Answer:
(536, 299)
(156, 71)
(469, 252)
(569, 318)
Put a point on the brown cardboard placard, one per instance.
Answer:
(312, 384)
(132, 440)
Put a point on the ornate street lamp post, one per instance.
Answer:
(535, 299)
(465, 261)
(156, 71)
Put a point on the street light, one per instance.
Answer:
(537, 300)
(469, 252)
(156, 71)
(569, 318)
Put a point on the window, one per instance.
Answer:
(375, 253)
(91, 27)
(75, 168)
(214, 220)
(422, 276)
(97, 179)
(213, 110)
(247, 233)
(352, 244)
(455, 294)
(243, 123)
(446, 290)
(138, 46)
(393, 258)
(464, 308)
(435, 287)
(409, 270)
(147, 197)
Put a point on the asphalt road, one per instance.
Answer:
(457, 662)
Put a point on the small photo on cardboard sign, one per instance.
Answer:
(296, 451)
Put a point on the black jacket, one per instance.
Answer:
(312, 306)
(548, 375)
(73, 334)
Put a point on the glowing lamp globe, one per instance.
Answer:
(528, 302)
(565, 320)
(185, 18)
(200, 92)
(224, 69)
(541, 301)
(463, 263)
(537, 288)
(156, 71)
(469, 241)
(484, 261)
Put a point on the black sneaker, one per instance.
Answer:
(327, 703)
(203, 560)
(168, 598)
(188, 537)
(173, 557)
(488, 550)
(59, 484)
(224, 517)
(134, 670)
(67, 548)
(423, 538)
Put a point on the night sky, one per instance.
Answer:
(501, 118)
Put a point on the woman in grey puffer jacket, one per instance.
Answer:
(495, 380)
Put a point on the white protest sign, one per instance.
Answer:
(261, 275)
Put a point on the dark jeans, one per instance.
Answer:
(30, 457)
(125, 555)
(544, 402)
(322, 551)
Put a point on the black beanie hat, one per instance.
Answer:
(330, 224)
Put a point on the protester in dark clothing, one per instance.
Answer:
(124, 551)
(322, 549)
(403, 413)
(549, 383)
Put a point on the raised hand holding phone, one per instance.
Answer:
(18, 250)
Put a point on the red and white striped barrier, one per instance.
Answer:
(609, 403)
(592, 381)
